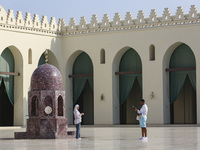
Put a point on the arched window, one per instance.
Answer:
(29, 56)
(60, 106)
(48, 102)
(102, 56)
(152, 52)
(34, 106)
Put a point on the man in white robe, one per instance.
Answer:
(142, 113)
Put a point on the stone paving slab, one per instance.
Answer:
(109, 138)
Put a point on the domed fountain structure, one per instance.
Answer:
(46, 106)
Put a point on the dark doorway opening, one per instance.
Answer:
(127, 113)
(183, 110)
(6, 108)
(86, 103)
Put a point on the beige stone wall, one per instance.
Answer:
(154, 76)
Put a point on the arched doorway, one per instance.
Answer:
(7, 64)
(130, 85)
(51, 59)
(182, 86)
(83, 87)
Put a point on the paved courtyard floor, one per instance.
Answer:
(109, 138)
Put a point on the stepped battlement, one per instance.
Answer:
(10, 22)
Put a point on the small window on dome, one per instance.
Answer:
(48, 102)
(60, 106)
(34, 106)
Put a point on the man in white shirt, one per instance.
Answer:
(143, 118)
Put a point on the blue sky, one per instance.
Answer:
(77, 8)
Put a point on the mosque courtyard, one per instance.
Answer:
(110, 138)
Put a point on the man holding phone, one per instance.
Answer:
(143, 118)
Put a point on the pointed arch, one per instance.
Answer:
(83, 93)
(7, 64)
(182, 57)
(82, 65)
(177, 61)
(18, 85)
(34, 106)
(130, 61)
(51, 59)
(48, 101)
(60, 106)
(68, 82)
(117, 78)
(166, 85)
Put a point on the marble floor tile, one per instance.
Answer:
(109, 138)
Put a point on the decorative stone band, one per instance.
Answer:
(16, 28)
(9, 22)
(134, 27)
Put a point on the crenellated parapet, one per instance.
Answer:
(138, 23)
(8, 21)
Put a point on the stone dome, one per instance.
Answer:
(46, 77)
